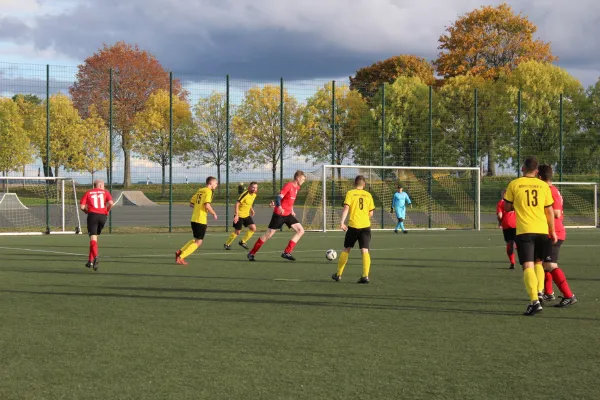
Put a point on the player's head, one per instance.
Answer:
(360, 181)
(211, 182)
(99, 184)
(530, 166)
(253, 187)
(400, 188)
(545, 172)
(299, 177)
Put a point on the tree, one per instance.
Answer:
(489, 41)
(209, 143)
(136, 75)
(582, 148)
(256, 125)
(152, 127)
(15, 147)
(315, 139)
(542, 84)
(28, 104)
(66, 134)
(368, 80)
(96, 143)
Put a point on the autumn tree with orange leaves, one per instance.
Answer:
(137, 74)
(368, 80)
(489, 41)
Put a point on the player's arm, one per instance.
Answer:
(344, 215)
(83, 204)
(210, 210)
(278, 199)
(237, 212)
(408, 201)
(549, 211)
(508, 199)
(557, 214)
(109, 205)
(393, 203)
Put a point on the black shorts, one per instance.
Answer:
(277, 221)
(199, 230)
(363, 235)
(532, 247)
(95, 223)
(509, 234)
(243, 221)
(554, 250)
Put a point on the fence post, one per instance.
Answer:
(430, 180)
(519, 134)
(281, 103)
(47, 144)
(560, 141)
(382, 146)
(227, 99)
(332, 153)
(475, 161)
(170, 151)
(110, 143)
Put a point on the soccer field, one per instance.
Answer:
(441, 319)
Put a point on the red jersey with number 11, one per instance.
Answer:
(288, 192)
(96, 201)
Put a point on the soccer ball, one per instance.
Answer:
(331, 254)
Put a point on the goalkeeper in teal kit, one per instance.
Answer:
(399, 203)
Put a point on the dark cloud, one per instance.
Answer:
(295, 39)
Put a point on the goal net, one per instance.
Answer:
(38, 205)
(442, 197)
(580, 201)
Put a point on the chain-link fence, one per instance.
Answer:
(154, 138)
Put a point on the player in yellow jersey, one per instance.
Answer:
(243, 216)
(200, 201)
(359, 204)
(531, 199)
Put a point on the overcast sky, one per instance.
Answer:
(267, 39)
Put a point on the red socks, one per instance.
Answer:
(561, 281)
(257, 246)
(548, 283)
(510, 253)
(93, 250)
(290, 247)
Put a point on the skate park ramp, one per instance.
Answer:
(10, 201)
(131, 198)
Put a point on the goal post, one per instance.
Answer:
(442, 197)
(38, 205)
(580, 203)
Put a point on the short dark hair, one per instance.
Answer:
(531, 164)
(359, 179)
(399, 186)
(210, 179)
(545, 172)
(299, 173)
(253, 183)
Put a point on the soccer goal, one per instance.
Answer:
(34, 206)
(580, 201)
(442, 197)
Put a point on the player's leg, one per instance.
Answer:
(350, 239)
(249, 223)
(400, 220)
(297, 227)
(559, 277)
(364, 239)
(100, 225)
(237, 229)
(509, 238)
(526, 253)
(275, 224)
(199, 230)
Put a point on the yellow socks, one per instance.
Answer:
(342, 263)
(366, 260)
(188, 249)
(231, 238)
(531, 283)
(247, 236)
(540, 274)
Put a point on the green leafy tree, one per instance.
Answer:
(315, 139)
(15, 146)
(152, 127)
(96, 142)
(28, 105)
(256, 125)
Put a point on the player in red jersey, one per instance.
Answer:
(552, 271)
(96, 203)
(508, 222)
(283, 213)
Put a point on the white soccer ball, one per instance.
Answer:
(331, 254)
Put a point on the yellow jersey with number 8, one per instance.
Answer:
(199, 200)
(360, 203)
(529, 197)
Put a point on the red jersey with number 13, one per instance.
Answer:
(96, 201)
(288, 192)
(559, 226)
